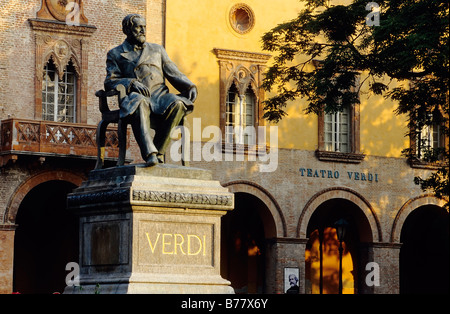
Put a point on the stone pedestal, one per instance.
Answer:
(150, 230)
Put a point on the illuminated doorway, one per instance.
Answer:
(322, 249)
(46, 239)
(243, 247)
(424, 254)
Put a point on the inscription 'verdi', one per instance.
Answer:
(176, 243)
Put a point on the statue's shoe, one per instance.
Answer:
(151, 160)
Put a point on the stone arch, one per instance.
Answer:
(23, 189)
(62, 64)
(343, 193)
(270, 202)
(407, 208)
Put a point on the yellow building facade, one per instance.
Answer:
(194, 30)
(212, 42)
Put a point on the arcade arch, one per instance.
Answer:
(46, 239)
(407, 208)
(274, 221)
(422, 228)
(46, 234)
(372, 234)
(33, 181)
(317, 224)
(246, 258)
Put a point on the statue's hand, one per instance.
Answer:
(140, 88)
(193, 94)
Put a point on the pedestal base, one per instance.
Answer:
(143, 284)
(150, 230)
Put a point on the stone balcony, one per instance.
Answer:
(44, 139)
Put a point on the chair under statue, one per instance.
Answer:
(110, 116)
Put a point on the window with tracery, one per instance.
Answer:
(59, 93)
(240, 95)
(240, 114)
(61, 62)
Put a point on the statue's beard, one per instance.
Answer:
(140, 39)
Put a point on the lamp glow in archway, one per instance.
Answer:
(341, 228)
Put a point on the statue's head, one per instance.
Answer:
(133, 25)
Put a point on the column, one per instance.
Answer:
(285, 253)
(7, 232)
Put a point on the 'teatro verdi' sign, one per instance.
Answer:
(330, 174)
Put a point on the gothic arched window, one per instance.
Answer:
(241, 99)
(240, 114)
(59, 93)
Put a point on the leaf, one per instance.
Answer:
(378, 88)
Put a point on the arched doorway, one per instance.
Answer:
(322, 249)
(424, 254)
(243, 247)
(46, 239)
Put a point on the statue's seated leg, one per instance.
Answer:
(164, 123)
(140, 123)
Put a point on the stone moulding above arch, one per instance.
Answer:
(9, 216)
(407, 208)
(343, 193)
(237, 55)
(264, 195)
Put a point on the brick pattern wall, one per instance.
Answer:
(17, 60)
(11, 179)
(6, 259)
(17, 56)
(293, 192)
(17, 90)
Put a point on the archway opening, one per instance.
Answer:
(322, 249)
(424, 254)
(46, 239)
(243, 247)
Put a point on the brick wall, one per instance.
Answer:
(293, 191)
(17, 60)
(17, 94)
(296, 195)
(6, 259)
(17, 56)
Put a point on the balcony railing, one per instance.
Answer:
(21, 136)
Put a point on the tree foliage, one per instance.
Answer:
(410, 45)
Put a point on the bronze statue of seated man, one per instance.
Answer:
(142, 68)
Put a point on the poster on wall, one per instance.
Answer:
(291, 285)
